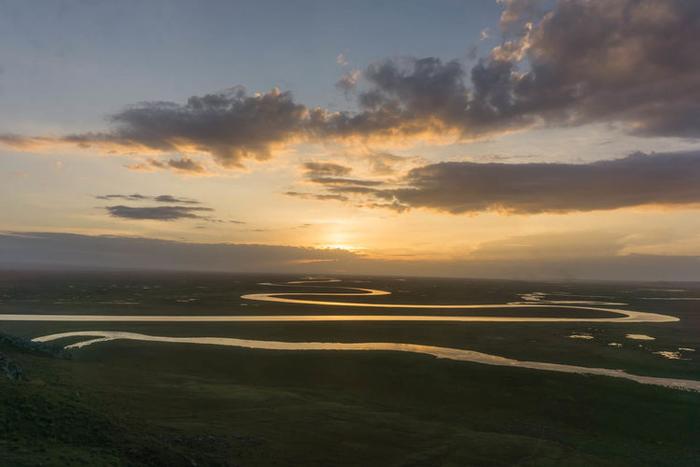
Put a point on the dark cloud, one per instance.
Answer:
(133, 197)
(158, 213)
(633, 63)
(232, 125)
(329, 175)
(224, 221)
(354, 189)
(61, 251)
(69, 251)
(326, 173)
(345, 181)
(407, 97)
(325, 169)
(393, 205)
(628, 61)
(159, 198)
(527, 188)
(182, 164)
(317, 196)
(174, 199)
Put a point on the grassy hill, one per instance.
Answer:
(129, 403)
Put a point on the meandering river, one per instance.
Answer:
(439, 352)
(620, 316)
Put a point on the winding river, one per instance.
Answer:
(439, 352)
(619, 316)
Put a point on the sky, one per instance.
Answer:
(513, 138)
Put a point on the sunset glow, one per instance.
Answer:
(448, 149)
(342, 233)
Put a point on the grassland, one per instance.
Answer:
(135, 403)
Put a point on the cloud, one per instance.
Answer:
(184, 165)
(407, 97)
(158, 213)
(331, 176)
(58, 251)
(140, 197)
(325, 169)
(133, 197)
(232, 126)
(21, 142)
(224, 221)
(354, 189)
(173, 199)
(393, 205)
(632, 63)
(628, 61)
(317, 196)
(555, 245)
(516, 13)
(404, 99)
(341, 59)
(348, 82)
(344, 181)
(669, 179)
(384, 163)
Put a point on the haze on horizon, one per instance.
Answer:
(513, 138)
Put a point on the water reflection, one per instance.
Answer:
(622, 315)
(439, 352)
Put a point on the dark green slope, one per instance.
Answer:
(126, 403)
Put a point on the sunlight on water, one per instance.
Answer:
(534, 300)
(669, 354)
(581, 336)
(640, 337)
(439, 352)
(627, 316)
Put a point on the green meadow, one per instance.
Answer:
(141, 403)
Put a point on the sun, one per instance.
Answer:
(338, 240)
(339, 246)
